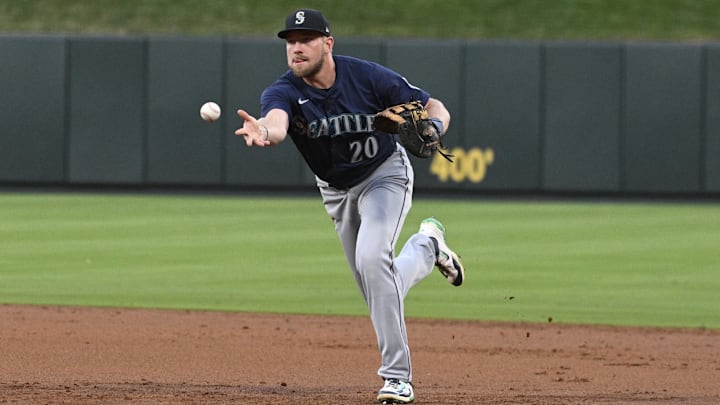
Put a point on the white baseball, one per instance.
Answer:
(210, 112)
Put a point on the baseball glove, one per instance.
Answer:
(416, 131)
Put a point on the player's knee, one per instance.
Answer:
(373, 265)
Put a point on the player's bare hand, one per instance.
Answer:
(254, 133)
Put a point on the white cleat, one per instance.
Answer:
(448, 262)
(396, 392)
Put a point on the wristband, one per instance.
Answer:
(438, 125)
(267, 132)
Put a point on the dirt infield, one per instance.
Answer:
(66, 355)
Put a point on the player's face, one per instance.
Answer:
(306, 52)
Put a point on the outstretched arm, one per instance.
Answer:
(266, 131)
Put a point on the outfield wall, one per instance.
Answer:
(617, 118)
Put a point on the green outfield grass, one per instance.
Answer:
(575, 262)
(519, 19)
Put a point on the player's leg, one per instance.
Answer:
(415, 261)
(447, 261)
(341, 206)
(424, 250)
(383, 205)
(374, 260)
(368, 219)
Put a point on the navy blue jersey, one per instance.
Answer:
(340, 143)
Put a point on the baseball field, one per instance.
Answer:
(159, 298)
(595, 262)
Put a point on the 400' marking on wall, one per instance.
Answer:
(469, 165)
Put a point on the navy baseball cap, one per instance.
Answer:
(308, 20)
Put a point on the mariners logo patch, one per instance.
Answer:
(299, 17)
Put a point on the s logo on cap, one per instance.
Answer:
(308, 20)
(299, 17)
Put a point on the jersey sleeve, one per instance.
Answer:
(275, 96)
(396, 88)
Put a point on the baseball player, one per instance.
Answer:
(327, 105)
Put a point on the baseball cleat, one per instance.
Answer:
(396, 392)
(448, 262)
